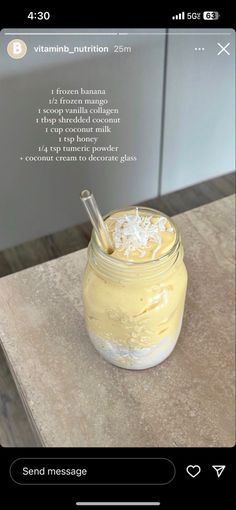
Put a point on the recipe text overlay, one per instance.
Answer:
(77, 125)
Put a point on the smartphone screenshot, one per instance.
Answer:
(117, 258)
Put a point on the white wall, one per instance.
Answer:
(199, 134)
(37, 199)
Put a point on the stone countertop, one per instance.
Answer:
(75, 398)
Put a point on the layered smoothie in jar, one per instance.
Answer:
(134, 297)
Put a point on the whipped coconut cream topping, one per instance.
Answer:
(139, 235)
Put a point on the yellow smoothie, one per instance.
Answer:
(134, 298)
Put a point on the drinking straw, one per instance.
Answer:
(96, 218)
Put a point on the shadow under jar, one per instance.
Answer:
(134, 305)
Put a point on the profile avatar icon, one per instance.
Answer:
(16, 48)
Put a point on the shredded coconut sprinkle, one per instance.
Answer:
(133, 232)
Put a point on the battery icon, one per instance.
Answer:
(210, 15)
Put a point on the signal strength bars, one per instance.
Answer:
(181, 15)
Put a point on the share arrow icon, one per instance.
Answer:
(219, 470)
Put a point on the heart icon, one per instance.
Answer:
(193, 470)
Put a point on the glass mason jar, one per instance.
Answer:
(134, 310)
